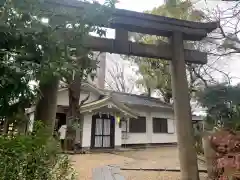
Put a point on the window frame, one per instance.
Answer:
(154, 125)
(143, 118)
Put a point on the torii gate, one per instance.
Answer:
(177, 31)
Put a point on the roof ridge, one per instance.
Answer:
(138, 95)
(98, 100)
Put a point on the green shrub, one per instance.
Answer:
(33, 157)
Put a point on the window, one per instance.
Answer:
(137, 125)
(160, 125)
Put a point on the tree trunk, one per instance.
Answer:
(182, 111)
(74, 108)
(22, 121)
(47, 105)
(21, 128)
(149, 92)
(5, 126)
(74, 97)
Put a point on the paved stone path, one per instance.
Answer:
(162, 157)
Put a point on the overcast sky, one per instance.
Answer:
(138, 5)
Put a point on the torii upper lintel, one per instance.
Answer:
(143, 22)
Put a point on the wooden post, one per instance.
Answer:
(209, 154)
(182, 111)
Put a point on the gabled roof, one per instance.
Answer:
(126, 98)
(105, 102)
(133, 99)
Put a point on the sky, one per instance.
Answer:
(138, 5)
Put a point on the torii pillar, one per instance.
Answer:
(182, 109)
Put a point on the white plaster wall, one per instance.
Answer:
(164, 138)
(118, 135)
(171, 136)
(139, 138)
(87, 125)
(136, 138)
(62, 98)
(163, 114)
(149, 136)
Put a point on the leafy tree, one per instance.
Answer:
(222, 103)
(49, 44)
(29, 45)
(19, 62)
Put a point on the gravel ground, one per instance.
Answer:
(136, 175)
(84, 164)
(162, 157)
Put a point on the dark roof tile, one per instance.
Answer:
(133, 99)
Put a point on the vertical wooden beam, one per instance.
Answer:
(182, 111)
(209, 155)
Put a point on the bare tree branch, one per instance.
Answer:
(118, 79)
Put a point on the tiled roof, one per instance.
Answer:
(133, 99)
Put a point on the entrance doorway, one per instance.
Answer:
(103, 129)
(60, 120)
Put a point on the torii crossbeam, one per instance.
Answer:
(124, 21)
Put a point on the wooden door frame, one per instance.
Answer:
(112, 131)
